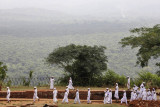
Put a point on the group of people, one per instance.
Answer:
(142, 93)
(136, 94)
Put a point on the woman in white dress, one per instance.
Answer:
(116, 92)
(110, 97)
(124, 98)
(132, 95)
(52, 83)
(35, 96)
(70, 86)
(65, 99)
(8, 94)
(149, 95)
(144, 95)
(55, 95)
(154, 96)
(88, 96)
(128, 82)
(106, 95)
(77, 97)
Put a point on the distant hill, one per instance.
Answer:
(40, 22)
(27, 36)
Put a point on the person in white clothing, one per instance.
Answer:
(52, 83)
(67, 89)
(8, 95)
(138, 95)
(88, 96)
(65, 99)
(132, 95)
(142, 85)
(144, 95)
(149, 95)
(106, 95)
(55, 95)
(110, 97)
(35, 96)
(70, 85)
(128, 82)
(116, 92)
(77, 97)
(124, 98)
(135, 88)
(154, 98)
(141, 91)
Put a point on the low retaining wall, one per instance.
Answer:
(95, 95)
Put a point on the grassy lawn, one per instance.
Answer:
(24, 88)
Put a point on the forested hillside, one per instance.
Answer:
(22, 54)
(27, 36)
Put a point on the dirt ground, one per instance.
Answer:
(141, 103)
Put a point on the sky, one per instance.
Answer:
(89, 7)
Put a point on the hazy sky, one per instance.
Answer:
(87, 7)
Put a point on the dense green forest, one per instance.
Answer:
(22, 54)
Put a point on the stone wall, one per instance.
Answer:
(95, 95)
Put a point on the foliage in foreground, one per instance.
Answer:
(148, 43)
(3, 70)
(151, 80)
(109, 78)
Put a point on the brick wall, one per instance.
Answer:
(95, 95)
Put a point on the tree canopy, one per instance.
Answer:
(3, 70)
(147, 39)
(82, 63)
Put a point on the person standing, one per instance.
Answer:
(132, 95)
(106, 95)
(124, 98)
(110, 97)
(128, 82)
(65, 99)
(144, 95)
(8, 95)
(52, 83)
(88, 96)
(154, 96)
(116, 92)
(35, 96)
(149, 95)
(67, 89)
(55, 95)
(77, 97)
(70, 85)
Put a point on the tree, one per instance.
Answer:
(147, 40)
(82, 63)
(27, 82)
(3, 70)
